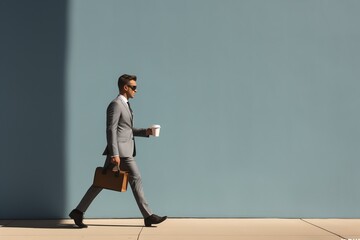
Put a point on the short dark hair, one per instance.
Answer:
(124, 80)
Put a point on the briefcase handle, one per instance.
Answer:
(117, 173)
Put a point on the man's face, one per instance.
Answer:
(130, 89)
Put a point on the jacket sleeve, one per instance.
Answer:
(113, 114)
(140, 132)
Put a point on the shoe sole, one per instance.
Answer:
(149, 225)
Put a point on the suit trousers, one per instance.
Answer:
(129, 165)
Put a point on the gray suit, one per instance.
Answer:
(120, 141)
(120, 131)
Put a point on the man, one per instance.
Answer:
(121, 150)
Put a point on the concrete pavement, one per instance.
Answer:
(184, 229)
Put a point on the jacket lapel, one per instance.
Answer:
(126, 106)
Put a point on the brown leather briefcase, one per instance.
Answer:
(108, 179)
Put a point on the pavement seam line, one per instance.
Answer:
(323, 228)
(138, 237)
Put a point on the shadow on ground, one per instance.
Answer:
(58, 224)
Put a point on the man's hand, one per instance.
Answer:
(149, 131)
(115, 160)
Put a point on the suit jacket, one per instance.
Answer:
(120, 131)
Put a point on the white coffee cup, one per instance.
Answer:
(155, 130)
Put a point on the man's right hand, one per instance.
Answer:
(115, 160)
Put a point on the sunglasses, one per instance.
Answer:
(132, 87)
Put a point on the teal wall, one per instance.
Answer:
(258, 102)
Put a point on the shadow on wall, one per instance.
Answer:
(32, 61)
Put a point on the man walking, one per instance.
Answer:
(121, 150)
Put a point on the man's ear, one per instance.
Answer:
(123, 89)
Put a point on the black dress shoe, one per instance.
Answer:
(78, 217)
(154, 219)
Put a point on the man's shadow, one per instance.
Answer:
(56, 224)
(37, 224)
